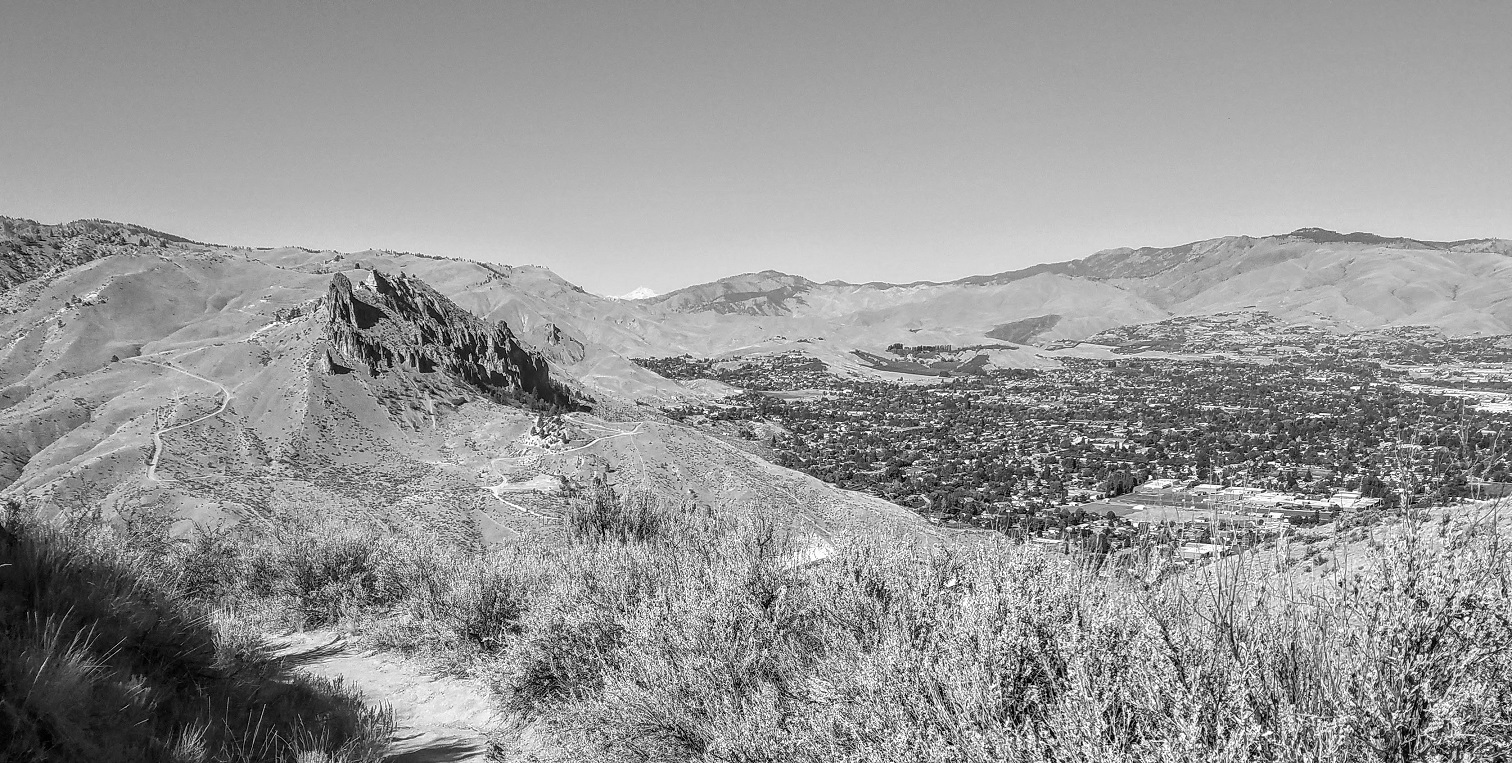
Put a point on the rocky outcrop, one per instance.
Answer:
(388, 323)
(559, 345)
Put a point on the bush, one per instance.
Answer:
(212, 563)
(656, 635)
(607, 518)
(990, 653)
(325, 574)
(104, 658)
(485, 609)
(562, 659)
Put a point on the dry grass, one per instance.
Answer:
(702, 640)
(105, 658)
(991, 654)
(716, 649)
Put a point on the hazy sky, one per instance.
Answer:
(662, 144)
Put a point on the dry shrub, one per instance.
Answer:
(992, 653)
(103, 657)
(451, 599)
(655, 635)
(606, 518)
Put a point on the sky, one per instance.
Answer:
(662, 144)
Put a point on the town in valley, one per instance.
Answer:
(1218, 447)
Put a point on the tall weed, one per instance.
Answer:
(105, 657)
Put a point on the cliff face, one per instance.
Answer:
(400, 323)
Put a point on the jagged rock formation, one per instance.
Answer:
(390, 322)
(559, 345)
(29, 249)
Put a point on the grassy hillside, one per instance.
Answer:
(663, 633)
(107, 655)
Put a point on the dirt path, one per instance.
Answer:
(518, 507)
(617, 433)
(157, 435)
(438, 718)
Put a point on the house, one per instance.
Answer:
(1243, 492)
(1349, 499)
(1303, 503)
(1195, 551)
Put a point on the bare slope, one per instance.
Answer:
(227, 384)
(1344, 282)
(219, 370)
(29, 249)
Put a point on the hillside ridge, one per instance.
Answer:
(1099, 264)
(29, 249)
(1094, 265)
(390, 322)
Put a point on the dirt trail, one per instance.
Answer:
(157, 435)
(438, 718)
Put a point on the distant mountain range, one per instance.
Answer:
(139, 368)
(1338, 281)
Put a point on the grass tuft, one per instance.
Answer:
(106, 656)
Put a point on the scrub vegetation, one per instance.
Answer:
(107, 654)
(662, 633)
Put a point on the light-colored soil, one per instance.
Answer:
(157, 435)
(438, 718)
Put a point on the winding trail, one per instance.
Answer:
(157, 435)
(518, 507)
(617, 433)
(438, 718)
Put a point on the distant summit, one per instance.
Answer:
(644, 292)
(1341, 281)
(769, 292)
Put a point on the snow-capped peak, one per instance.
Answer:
(644, 292)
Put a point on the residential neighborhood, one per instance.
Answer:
(1305, 440)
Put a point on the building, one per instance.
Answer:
(1195, 551)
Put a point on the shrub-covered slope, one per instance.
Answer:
(673, 633)
(105, 655)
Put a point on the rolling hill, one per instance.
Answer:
(223, 384)
(1342, 282)
(141, 371)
